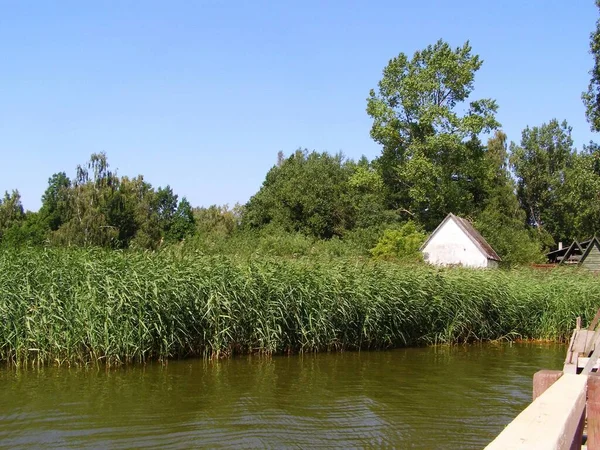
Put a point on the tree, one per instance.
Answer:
(431, 160)
(31, 231)
(166, 206)
(11, 211)
(401, 243)
(540, 165)
(502, 221)
(55, 200)
(183, 223)
(579, 196)
(367, 196)
(90, 199)
(591, 98)
(307, 193)
(219, 220)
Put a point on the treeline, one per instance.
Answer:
(524, 196)
(97, 208)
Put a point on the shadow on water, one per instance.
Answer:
(444, 397)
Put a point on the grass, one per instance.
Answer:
(68, 306)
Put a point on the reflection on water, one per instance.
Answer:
(448, 397)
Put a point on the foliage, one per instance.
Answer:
(306, 193)
(216, 219)
(402, 243)
(98, 208)
(540, 164)
(579, 196)
(77, 306)
(431, 157)
(591, 98)
(11, 211)
(502, 221)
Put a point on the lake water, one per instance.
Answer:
(424, 398)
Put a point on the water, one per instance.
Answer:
(427, 398)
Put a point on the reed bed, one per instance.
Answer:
(68, 306)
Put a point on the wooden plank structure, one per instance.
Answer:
(585, 254)
(565, 412)
(584, 348)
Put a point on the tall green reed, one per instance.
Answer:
(73, 306)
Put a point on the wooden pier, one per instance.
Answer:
(565, 411)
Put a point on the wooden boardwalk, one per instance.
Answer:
(565, 411)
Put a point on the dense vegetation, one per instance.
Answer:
(523, 197)
(91, 306)
(325, 254)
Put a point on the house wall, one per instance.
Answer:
(592, 262)
(451, 246)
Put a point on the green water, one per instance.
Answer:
(428, 398)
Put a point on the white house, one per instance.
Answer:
(456, 243)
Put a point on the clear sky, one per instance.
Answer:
(202, 95)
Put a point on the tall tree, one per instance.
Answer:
(591, 98)
(11, 211)
(540, 165)
(55, 201)
(432, 159)
(579, 196)
(307, 193)
(166, 206)
(183, 224)
(502, 221)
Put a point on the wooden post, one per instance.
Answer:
(543, 379)
(593, 411)
(595, 320)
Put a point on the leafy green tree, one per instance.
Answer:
(89, 200)
(308, 193)
(400, 243)
(540, 164)
(183, 223)
(31, 231)
(11, 211)
(591, 98)
(55, 201)
(219, 220)
(579, 196)
(502, 221)
(367, 196)
(432, 160)
(166, 206)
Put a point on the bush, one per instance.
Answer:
(403, 243)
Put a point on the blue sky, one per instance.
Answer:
(202, 95)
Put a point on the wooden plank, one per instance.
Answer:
(589, 345)
(579, 340)
(552, 421)
(583, 339)
(569, 358)
(593, 411)
(591, 362)
(595, 320)
(582, 362)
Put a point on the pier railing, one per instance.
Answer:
(556, 419)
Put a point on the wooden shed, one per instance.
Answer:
(456, 243)
(591, 256)
(585, 254)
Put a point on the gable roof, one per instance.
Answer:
(571, 250)
(591, 243)
(471, 232)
